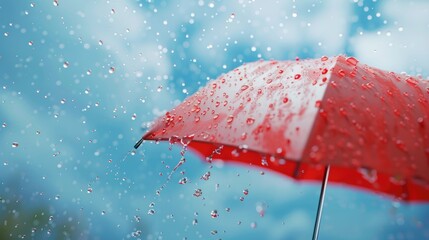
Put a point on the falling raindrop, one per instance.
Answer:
(214, 214)
(183, 180)
(206, 176)
(253, 224)
(198, 192)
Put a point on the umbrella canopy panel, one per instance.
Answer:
(295, 117)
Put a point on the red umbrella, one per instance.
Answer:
(369, 128)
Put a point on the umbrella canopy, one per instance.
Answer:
(296, 117)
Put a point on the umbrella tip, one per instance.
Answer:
(137, 145)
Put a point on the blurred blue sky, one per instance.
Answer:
(81, 80)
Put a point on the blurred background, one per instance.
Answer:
(81, 81)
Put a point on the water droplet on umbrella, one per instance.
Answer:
(229, 119)
(66, 64)
(213, 232)
(87, 91)
(411, 81)
(187, 139)
(32, 5)
(368, 174)
(245, 191)
(244, 87)
(134, 116)
(57, 197)
(88, 72)
(341, 73)
(111, 70)
(228, 209)
(352, 61)
(15, 144)
(250, 121)
(214, 214)
(62, 101)
(285, 100)
(56, 3)
(241, 198)
(194, 222)
(198, 192)
(30, 43)
(4, 125)
(89, 190)
(324, 71)
(324, 58)
(297, 76)
(151, 212)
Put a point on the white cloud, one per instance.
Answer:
(402, 43)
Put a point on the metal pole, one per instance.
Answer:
(321, 200)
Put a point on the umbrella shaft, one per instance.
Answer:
(321, 201)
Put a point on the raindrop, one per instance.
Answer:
(244, 87)
(213, 232)
(100, 42)
(324, 71)
(198, 192)
(152, 204)
(352, 61)
(206, 176)
(250, 121)
(87, 91)
(32, 5)
(324, 58)
(253, 224)
(56, 3)
(88, 72)
(187, 139)
(228, 209)
(57, 197)
(134, 116)
(297, 76)
(341, 72)
(111, 70)
(30, 43)
(245, 191)
(230, 119)
(62, 101)
(241, 199)
(214, 214)
(66, 64)
(15, 144)
(194, 222)
(285, 100)
(4, 125)
(368, 174)
(89, 190)
(183, 180)
(151, 212)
